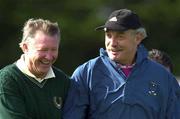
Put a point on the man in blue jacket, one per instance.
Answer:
(122, 83)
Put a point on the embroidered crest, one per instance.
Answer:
(153, 88)
(57, 102)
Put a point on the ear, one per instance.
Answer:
(139, 38)
(24, 47)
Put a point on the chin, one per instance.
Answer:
(44, 70)
(113, 58)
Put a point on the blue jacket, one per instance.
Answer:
(100, 90)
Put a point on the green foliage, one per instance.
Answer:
(77, 20)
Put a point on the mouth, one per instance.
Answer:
(115, 50)
(46, 63)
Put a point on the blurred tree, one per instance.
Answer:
(77, 20)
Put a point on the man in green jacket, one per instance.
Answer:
(32, 88)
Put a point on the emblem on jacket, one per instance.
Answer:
(153, 88)
(57, 102)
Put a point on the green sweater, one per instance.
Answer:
(22, 97)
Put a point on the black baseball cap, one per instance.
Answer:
(121, 20)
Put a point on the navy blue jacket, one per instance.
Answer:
(100, 90)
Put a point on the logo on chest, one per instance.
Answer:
(57, 102)
(153, 86)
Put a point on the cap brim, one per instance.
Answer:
(113, 27)
(99, 28)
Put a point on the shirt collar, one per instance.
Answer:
(23, 67)
(126, 66)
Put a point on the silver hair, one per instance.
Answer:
(142, 31)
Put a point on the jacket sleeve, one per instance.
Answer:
(77, 102)
(11, 101)
(173, 111)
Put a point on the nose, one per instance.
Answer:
(49, 56)
(113, 42)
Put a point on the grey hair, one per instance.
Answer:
(142, 31)
(34, 25)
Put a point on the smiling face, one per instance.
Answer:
(41, 52)
(121, 46)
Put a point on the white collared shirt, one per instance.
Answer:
(23, 67)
